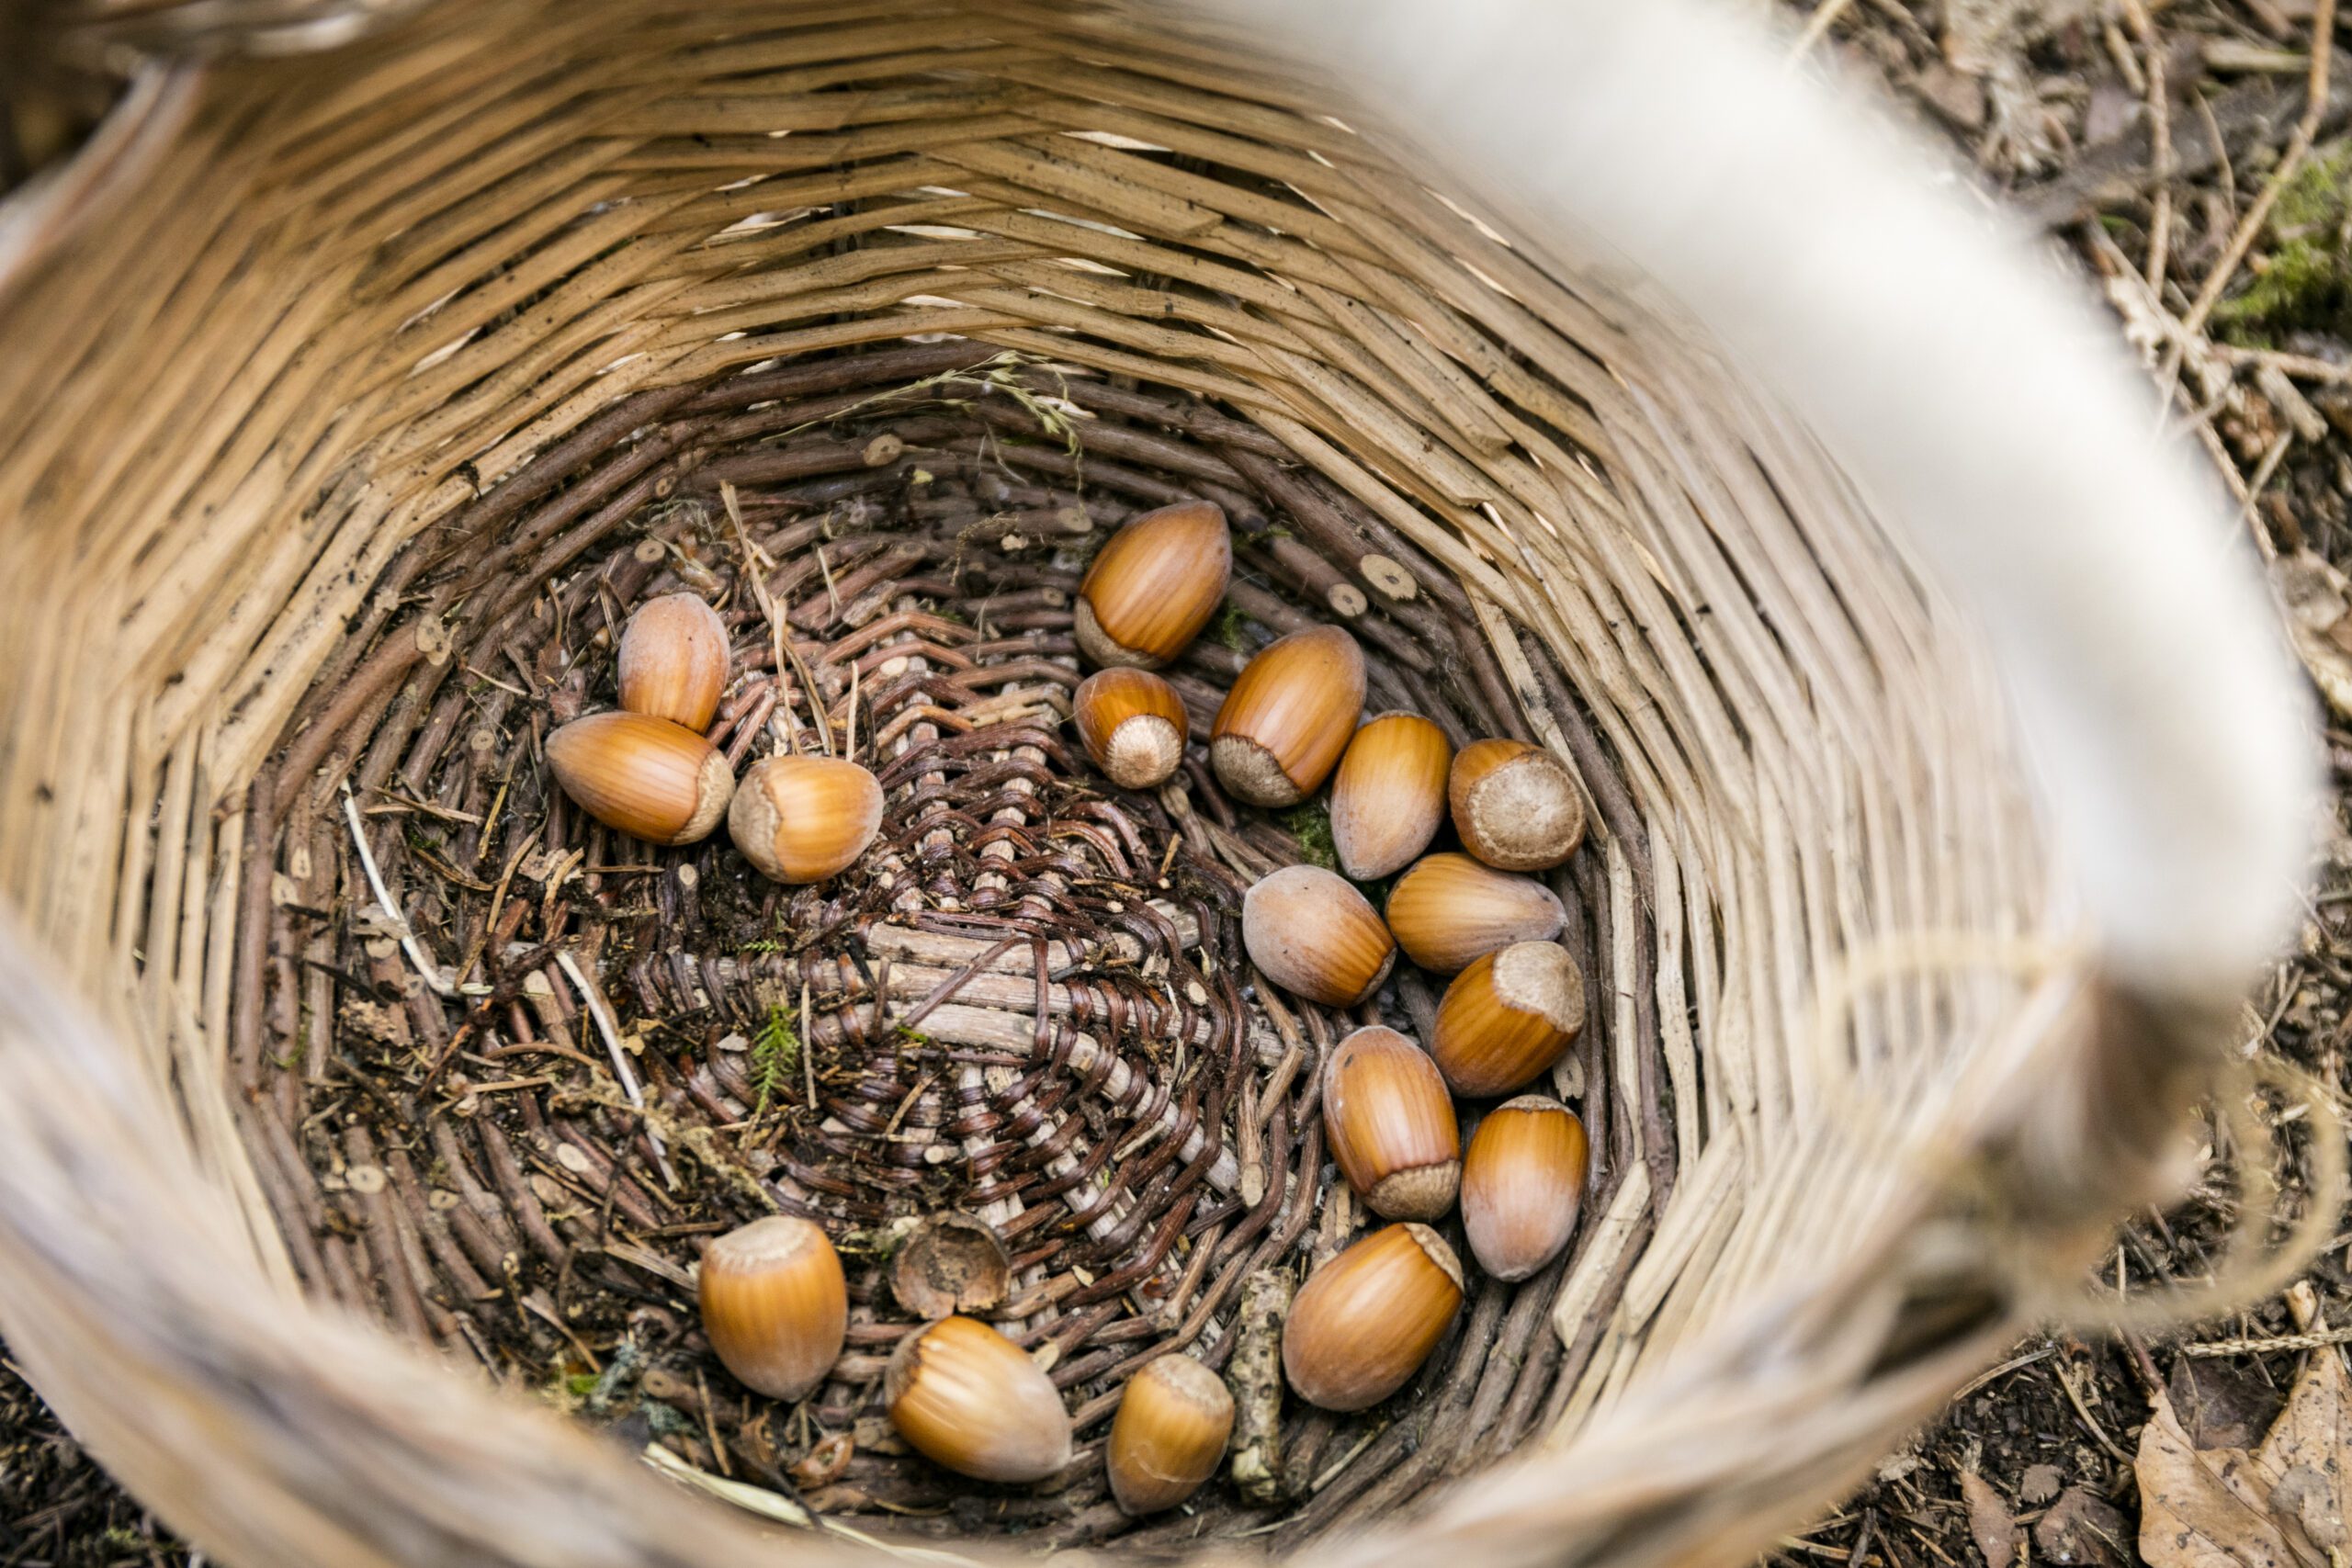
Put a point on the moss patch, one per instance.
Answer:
(2304, 281)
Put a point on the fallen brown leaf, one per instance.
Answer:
(2318, 602)
(2281, 1504)
(1989, 1521)
(2082, 1527)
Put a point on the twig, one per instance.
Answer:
(595, 1006)
(410, 942)
(2213, 1349)
(2075, 1398)
(2160, 138)
(1824, 17)
(756, 565)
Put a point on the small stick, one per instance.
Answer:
(1255, 1378)
(596, 1010)
(410, 942)
(756, 565)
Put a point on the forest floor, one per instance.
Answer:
(2180, 161)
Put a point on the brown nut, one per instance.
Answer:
(1154, 585)
(1310, 931)
(774, 1305)
(1517, 807)
(1174, 1419)
(1364, 1322)
(1388, 797)
(646, 777)
(965, 1397)
(805, 818)
(1521, 1183)
(1133, 725)
(1449, 909)
(1391, 1125)
(674, 661)
(1507, 1018)
(1290, 714)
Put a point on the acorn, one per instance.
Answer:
(1506, 1018)
(1154, 585)
(1449, 909)
(1391, 1125)
(774, 1305)
(674, 661)
(1389, 796)
(1310, 931)
(1364, 1322)
(1517, 807)
(646, 777)
(804, 819)
(969, 1399)
(1521, 1181)
(1174, 1418)
(1291, 712)
(1133, 724)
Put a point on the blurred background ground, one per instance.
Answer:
(2187, 171)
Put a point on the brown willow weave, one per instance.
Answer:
(338, 449)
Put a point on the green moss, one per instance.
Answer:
(1231, 627)
(2302, 277)
(775, 1053)
(1310, 823)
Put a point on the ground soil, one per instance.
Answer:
(2050, 102)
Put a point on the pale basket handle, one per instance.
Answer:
(1972, 391)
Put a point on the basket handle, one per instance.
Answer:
(1976, 396)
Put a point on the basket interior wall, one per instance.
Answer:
(401, 302)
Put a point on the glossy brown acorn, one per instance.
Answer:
(1517, 807)
(646, 777)
(674, 661)
(1522, 1180)
(1310, 931)
(1174, 1419)
(1391, 1125)
(1364, 1322)
(969, 1399)
(805, 818)
(774, 1305)
(1154, 585)
(1506, 1018)
(1133, 725)
(1449, 909)
(1388, 797)
(1290, 714)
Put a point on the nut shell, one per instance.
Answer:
(674, 661)
(1389, 796)
(1289, 715)
(805, 818)
(1517, 807)
(1310, 931)
(1154, 585)
(1134, 726)
(1364, 1322)
(1449, 909)
(774, 1305)
(1391, 1125)
(1523, 1181)
(968, 1399)
(646, 777)
(1174, 1420)
(1506, 1018)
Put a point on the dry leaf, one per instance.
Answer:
(2318, 602)
(2081, 1528)
(2039, 1484)
(2281, 1504)
(1989, 1521)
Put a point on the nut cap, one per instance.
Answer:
(967, 1398)
(674, 661)
(1291, 712)
(1449, 909)
(1506, 1018)
(805, 818)
(646, 777)
(1310, 931)
(774, 1305)
(1391, 1125)
(1154, 585)
(1364, 1322)
(1134, 726)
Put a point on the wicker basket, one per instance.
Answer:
(343, 395)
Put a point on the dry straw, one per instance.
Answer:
(325, 382)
